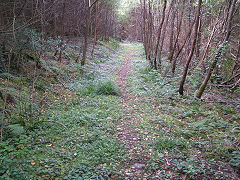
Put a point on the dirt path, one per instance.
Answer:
(153, 128)
(135, 165)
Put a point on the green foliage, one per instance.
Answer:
(196, 78)
(190, 166)
(7, 75)
(188, 137)
(72, 133)
(170, 143)
(55, 133)
(145, 70)
(111, 44)
(82, 172)
(13, 155)
(104, 87)
(125, 7)
(29, 39)
(15, 129)
(107, 87)
(235, 159)
(26, 113)
(213, 7)
(71, 54)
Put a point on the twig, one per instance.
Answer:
(231, 85)
(225, 82)
(236, 84)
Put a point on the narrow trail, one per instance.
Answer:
(153, 128)
(135, 165)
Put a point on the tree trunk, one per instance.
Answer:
(171, 35)
(95, 29)
(164, 32)
(159, 35)
(192, 49)
(219, 52)
(85, 46)
(144, 29)
(171, 55)
(150, 32)
(181, 48)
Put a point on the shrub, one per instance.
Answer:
(170, 143)
(105, 87)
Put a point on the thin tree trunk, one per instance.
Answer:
(83, 60)
(176, 41)
(192, 49)
(236, 59)
(199, 40)
(86, 35)
(144, 29)
(181, 48)
(219, 52)
(62, 32)
(150, 32)
(159, 35)
(164, 32)
(171, 34)
(95, 30)
(207, 46)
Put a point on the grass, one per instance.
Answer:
(62, 130)
(101, 87)
(193, 138)
(170, 143)
(66, 129)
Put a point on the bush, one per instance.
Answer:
(171, 143)
(105, 87)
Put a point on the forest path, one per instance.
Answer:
(155, 125)
(155, 122)
(135, 166)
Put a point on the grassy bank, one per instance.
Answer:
(60, 122)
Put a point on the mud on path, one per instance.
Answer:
(136, 164)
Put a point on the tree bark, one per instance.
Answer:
(86, 35)
(219, 52)
(164, 32)
(192, 49)
(159, 35)
(181, 48)
(150, 32)
(95, 29)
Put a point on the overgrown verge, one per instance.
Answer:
(186, 137)
(51, 127)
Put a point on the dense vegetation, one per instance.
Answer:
(80, 98)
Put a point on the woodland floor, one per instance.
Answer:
(141, 130)
(139, 134)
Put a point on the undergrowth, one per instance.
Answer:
(188, 138)
(60, 122)
(102, 87)
(53, 129)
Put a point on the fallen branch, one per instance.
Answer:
(229, 86)
(225, 82)
(236, 84)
